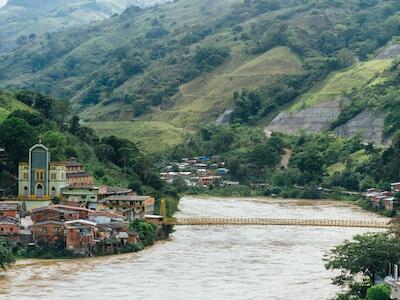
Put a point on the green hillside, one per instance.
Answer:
(8, 104)
(185, 63)
(152, 137)
(342, 82)
(182, 62)
(209, 95)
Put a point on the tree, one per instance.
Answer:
(7, 258)
(378, 292)
(56, 142)
(74, 125)
(360, 261)
(310, 163)
(17, 136)
(146, 231)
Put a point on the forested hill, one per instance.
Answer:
(188, 61)
(22, 20)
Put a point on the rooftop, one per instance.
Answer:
(110, 190)
(125, 198)
(78, 174)
(48, 222)
(82, 222)
(9, 206)
(80, 187)
(73, 164)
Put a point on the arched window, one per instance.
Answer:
(39, 191)
(26, 191)
(53, 192)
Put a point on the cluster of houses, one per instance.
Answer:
(383, 199)
(89, 218)
(197, 171)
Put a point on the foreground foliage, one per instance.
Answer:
(362, 260)
(7, 258)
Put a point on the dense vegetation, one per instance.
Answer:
(112, 160)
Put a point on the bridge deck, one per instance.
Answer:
(278, 222)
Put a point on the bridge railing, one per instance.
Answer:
(277, 222)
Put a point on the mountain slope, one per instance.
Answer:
(187, 62)
(22, 20)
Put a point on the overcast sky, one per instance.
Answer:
(3, 2)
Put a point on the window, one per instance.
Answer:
(11, 229)
(39, 175)
(2, 229)
(43, 229)
(26, 191)
(25, 176)
(53, 176)
(53, 192)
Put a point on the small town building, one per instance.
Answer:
(53, 213)
(48, 232)
(154, 219)
(209, 180)
(80, 236)
(132, 207)
(106, 191)
(76, 174)
(81, 195)
(10, 228)
(10, 209)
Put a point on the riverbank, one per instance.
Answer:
(292, 193)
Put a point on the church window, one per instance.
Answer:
(53, 192)
(25, 176)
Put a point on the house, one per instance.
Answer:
(149, 203)
(48, 232)
(104, 217)
(10, 228)
(80, 236)
(85, 195)
(209, 180)
(10, 209)
(106, 191)
(82, 212)
(80, 179)
(76, 174)
(54, 214)
(132, 207)
(154, 219)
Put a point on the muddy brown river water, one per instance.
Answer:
(204, 262)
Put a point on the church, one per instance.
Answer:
(39, 178)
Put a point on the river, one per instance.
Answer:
(227, 262)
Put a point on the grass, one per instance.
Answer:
(204, 98)
(152, 137)
(358, 158)
(342, 82)
(3, 114)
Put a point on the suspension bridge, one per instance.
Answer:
(202, 221)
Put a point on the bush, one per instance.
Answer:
(378, 292)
